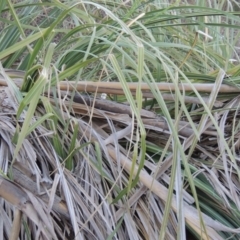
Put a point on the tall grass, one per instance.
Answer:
(131, 163)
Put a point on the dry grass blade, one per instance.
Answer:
(16, 225)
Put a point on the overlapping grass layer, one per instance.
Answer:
(119, 120)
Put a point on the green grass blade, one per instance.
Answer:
(22, 44)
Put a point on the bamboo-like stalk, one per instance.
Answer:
(116, 87)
